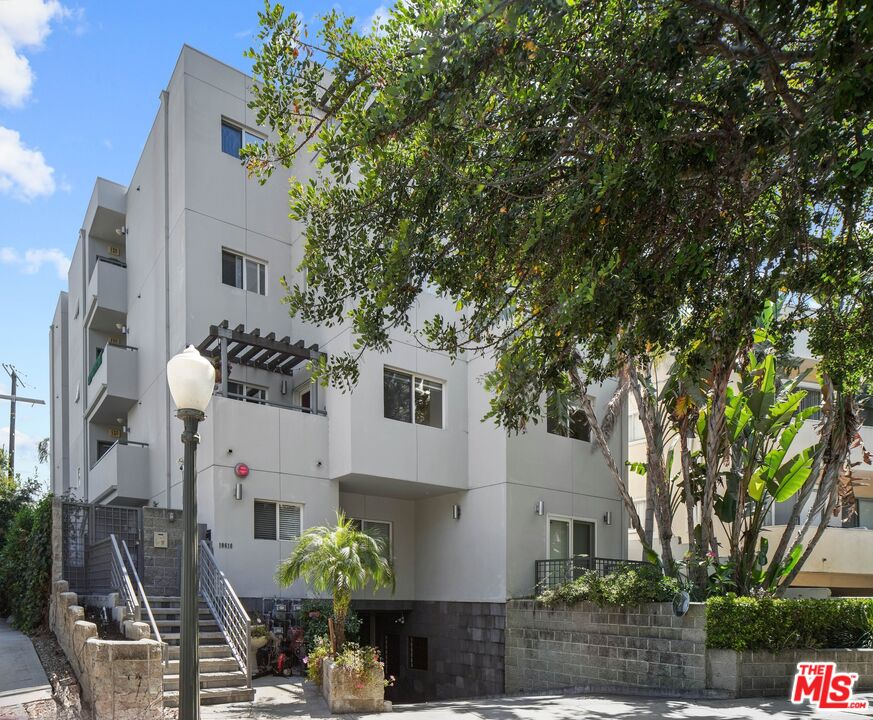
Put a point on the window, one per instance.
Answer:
(812, 399)
(277, 520)
(243, 273)
(569, 421)
(417, 653)
(410, 398)
(306, 400)
(635, 428)
(378, 530)
(234, 138)
(867, 412)
(246, 392)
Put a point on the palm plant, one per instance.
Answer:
(338, 560)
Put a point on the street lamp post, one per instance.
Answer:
(191, 378)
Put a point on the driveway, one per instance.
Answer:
(22, 678)
(289, 697)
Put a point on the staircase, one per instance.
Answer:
(221, 678)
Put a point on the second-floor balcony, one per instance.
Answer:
(112, 386)
(120, 475)
(107, 294)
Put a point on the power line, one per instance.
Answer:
(14, 398)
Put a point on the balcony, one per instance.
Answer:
(837, 561)
(120, 476)
(112, 384)
(552, 573)
(107, 294)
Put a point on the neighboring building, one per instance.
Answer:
(842, 561)
(192, 252)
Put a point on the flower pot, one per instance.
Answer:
(345, 692)
(256, 643)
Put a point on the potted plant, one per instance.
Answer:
(258, 637)
(340, 560)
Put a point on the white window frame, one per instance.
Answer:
(246, 258)
(247, 386)
(570, 519)
(389, 523)
(816, 388)
(567, 434)
(249, 137)
(276, 504)
(415, 376)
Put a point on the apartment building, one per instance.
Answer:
(841, 562)
(191, 252)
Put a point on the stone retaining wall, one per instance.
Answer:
(771, 674)
(120, 679)
(588, 646)
(647, 648)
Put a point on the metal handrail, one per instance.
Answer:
(156, 634)
(121, 581)
(227, 609)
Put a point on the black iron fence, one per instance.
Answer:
(552, 573)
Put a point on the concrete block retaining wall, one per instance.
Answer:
(647, 648)
(589, 646)
(120, 679)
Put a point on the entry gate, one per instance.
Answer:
(84, 526)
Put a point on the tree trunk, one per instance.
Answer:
(340, 613)
(603, 445)
(714, 442)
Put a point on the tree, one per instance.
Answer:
(338, 560)
(593, 183)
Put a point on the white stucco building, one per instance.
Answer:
(190, 249)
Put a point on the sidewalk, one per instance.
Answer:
(22, 678)
(290, 698)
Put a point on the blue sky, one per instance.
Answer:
(79, 87)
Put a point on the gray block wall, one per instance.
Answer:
(771, 674)
(466, 650)
(587, 646)
(161, 566)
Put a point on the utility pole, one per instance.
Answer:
(13, 398)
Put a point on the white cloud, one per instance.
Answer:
(380, 14)
(32, 260)
(24, 25)
(24, 172)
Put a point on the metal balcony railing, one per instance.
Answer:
(552, 573)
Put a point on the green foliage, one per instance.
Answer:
(25, 566)
(580, 182)
(747, 623)
(359, 660)
(628, 585)
(318, 651)
(338, 560)
(313, 616)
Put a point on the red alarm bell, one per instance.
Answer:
(241, 470)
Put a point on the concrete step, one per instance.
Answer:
(210, 680)
(207, 664)
(176, 611)
(203, 622)
(213, 696)
(206, 651)
(206, 638)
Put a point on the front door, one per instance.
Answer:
(583, 547)
(570, 541)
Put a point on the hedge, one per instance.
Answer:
(626, 585)
(747, 623)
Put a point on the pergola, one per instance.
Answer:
(250, 349)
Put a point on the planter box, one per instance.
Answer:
(345, 693)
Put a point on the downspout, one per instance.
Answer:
(165, 104)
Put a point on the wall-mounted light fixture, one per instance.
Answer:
(237, 491)
(540, 508)
(283, 387)
(456, 512)
(607, 517)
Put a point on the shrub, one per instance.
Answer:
(313, 616)
(314, 659)
(748, 623)
(25, 566)
(627, 585)
(359, 661)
